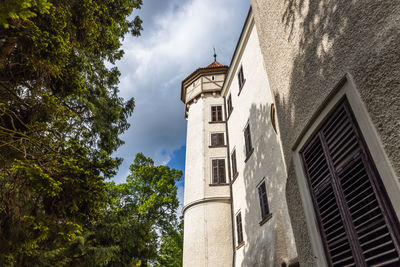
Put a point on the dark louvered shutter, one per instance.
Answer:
(219, 113)
(357, 222)
(234, 166)
(247, 140)
(214, 171)
(262, 194)
(239, 229)
(221, 170)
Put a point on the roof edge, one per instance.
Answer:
(244, 34)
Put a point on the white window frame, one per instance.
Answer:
(346, 87)
(211, 171)
(218, 132)
(210, 112)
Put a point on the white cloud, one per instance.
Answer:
(176, 40)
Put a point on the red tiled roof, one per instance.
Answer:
(215, 64)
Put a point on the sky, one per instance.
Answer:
(178, 37)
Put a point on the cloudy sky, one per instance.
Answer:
(178, 37)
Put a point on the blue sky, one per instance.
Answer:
(178, 37)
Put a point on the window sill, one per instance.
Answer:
(235, 176)
(249, 155)
(240, 245)
(266, 219)
(217, 146)
(241, 88)
(213, 122)
(219, 184)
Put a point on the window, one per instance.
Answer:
(218, 171)
(241, 78)
(230, 107)
(234, 166)
(355, 217)
(212, 78)
(216, 113)
(247, 141)
(262, 194)
(217, 139)
(273, 116)
(239, 229)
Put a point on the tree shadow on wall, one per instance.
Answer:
(266, 243)
(333, 37)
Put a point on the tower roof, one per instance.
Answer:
(215, 64)
(214, 68)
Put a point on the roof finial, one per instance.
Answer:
(215, 56)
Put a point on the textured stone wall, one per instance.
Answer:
(307, 47)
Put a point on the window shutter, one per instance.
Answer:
(230, 107)
(220, 139)
(240, 78)
(221, 169)
(233, 159)
(262, 193)
(214, 139)
(247, 139)
(355, 216)
(213, 113)
(214, 171)
(219, 113)
(239, 228)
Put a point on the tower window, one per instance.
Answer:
(213, 78)
(217, 139)
(262, 194)
(234, 165)
(230, 107)
(216, 113)
(247, 141)
(218, 171)
(241, 79)
(239, 229)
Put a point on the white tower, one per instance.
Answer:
(207, 202)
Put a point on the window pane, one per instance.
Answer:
(239, 228)
(230, 108)
(247, 139)
(219, 113)
(233, 159)
(215, 171)
(216, 113)
(217, 139)
(262, 193)
(221, 169)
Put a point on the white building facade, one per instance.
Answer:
(234, 185)
(279, 176)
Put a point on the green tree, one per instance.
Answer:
(171, 249)
(137, 214)
(60, 120)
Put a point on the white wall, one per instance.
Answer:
(268, 244)
(207, 210)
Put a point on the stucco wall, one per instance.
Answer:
(207, 208)
(307, 47)
(267, 244)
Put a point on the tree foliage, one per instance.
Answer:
(60, 120)
(139, 214)
(171, 249)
